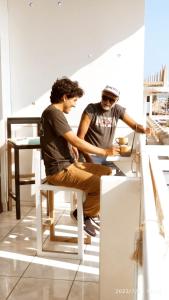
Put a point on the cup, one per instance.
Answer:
(122, 140)
(125, 150)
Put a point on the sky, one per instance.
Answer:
(156, 36)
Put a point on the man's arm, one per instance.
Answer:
(84, 146)
(83, 126)
(135, 126)
(82, 130)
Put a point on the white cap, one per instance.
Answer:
(112, 90)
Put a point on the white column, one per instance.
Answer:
(5, 90)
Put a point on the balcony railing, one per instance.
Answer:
(155, 220)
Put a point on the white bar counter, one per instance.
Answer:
(120, 218)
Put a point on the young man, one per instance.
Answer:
(56, 140)
(99, 121)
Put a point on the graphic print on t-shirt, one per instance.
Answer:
(105, 121)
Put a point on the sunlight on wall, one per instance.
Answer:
(122, 67)
(119, 67)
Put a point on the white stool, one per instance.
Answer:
(51, 190)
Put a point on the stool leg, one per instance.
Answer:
(73, 201)
(47, 203)
(17, 184)
(39, 222)
(9, 177)
(51, 214)
(80, 198)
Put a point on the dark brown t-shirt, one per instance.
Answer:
(55, 149)
(103, 124)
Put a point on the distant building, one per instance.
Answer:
(156, 93)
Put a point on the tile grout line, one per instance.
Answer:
(28, 263)
(73, 281)
(35, 255)
(19, 221)
(20, 277)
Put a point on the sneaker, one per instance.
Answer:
(88, 226)
(96, 221)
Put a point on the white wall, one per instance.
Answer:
(94, 42)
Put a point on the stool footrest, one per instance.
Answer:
(32, 175)
(48, 222)
(12, 195)
(68, 239)
(26, 181)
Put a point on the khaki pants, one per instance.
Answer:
(86, 177)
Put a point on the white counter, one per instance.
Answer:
(120, 212)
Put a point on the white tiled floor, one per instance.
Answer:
(24, 276)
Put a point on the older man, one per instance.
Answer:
(99, 121)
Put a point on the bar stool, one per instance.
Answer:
(51, 191)
(15, 145)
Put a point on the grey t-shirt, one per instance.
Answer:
(55, 149)
(103, 124)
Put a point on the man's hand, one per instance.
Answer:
(75, 152)
(149, 131)
(114, 150)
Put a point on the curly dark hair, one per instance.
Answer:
(65, 86)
